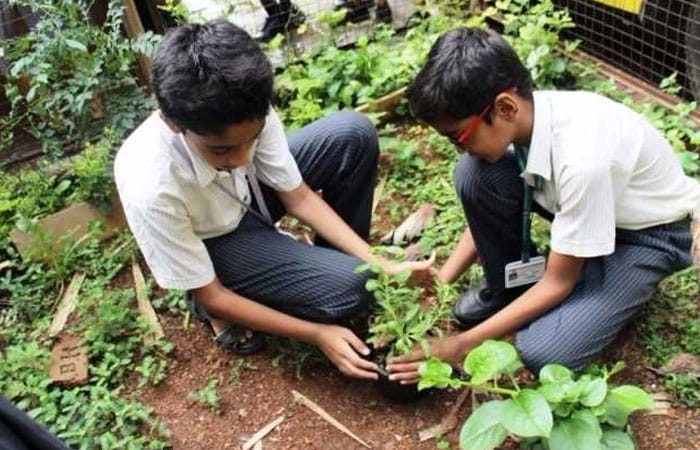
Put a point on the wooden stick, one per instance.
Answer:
(261, 433)
(298, 397)
(378, 191)
(67, 304)
(145, 306)
(448, 422)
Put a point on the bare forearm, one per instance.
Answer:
(537, 300)
(228, 305)
(326, 222)
(461, 258)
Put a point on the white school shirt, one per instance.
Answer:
(173, 199)
(604, 166)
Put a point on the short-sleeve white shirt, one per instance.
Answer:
(173, 199)
(604, 166)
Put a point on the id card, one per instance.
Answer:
(520, 273)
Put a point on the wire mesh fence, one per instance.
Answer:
(650, 39)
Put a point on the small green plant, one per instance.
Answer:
(399, 320)
(209, 396)
(238, 368)
(559, 411)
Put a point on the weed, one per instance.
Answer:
(208, 395)
(238, 368)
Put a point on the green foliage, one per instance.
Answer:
(534, 32)
(558, 411)
(29, 195)
(96, 415)
(79, 75)
(329, 78)
(399, 320)
(209, 396)
(238, 368)
(670, 325)
(177, 10)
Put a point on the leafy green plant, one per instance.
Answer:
(559, 411)
(208, 395)
(399, 320)
(67, 77)
(533, 30)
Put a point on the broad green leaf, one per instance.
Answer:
(554, 393)
(489, 360)
(622, 401)
(579, 432)
(528, 414)
(616, 440)
(434, 373)
(555, 373)
(573, 391)
(76, 45)
(483, 429)
(594, 392)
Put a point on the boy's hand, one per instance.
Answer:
(405, 368)
(421, 271)
(343, 348)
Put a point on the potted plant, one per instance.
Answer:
(404, 317)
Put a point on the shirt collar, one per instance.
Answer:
(204, 173)
(540, 151)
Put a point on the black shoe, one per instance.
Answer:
(280, 23)
(478, 304)
(383, 14)
(358, 11)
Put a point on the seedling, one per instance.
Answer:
(238, 368)
(400, 322)
(560, 410)
(208, 396)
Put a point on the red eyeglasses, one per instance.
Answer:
(464, 135)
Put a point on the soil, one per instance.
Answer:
(262, 395)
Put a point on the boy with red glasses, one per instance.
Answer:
(615, 192)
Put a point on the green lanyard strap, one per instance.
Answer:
(527, 206)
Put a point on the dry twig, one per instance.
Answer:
(298, 397)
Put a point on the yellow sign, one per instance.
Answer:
(633, 6)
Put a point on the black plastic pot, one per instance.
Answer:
(393, 390)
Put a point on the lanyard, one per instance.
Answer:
(264, 214)
(527, 206)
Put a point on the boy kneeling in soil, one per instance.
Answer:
(205, 178)
(615, 192)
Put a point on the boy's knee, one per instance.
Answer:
(542, 351)
(466, 175)
(349, 297)
(359, 131)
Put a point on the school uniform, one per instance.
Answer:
(616, 195)
(194, 223)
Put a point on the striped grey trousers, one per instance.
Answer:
(610, 290)
(338, 155)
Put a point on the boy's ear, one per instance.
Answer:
(507, 106)
(173, 127)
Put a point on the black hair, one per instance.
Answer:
(209, 76)
(466, 70)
